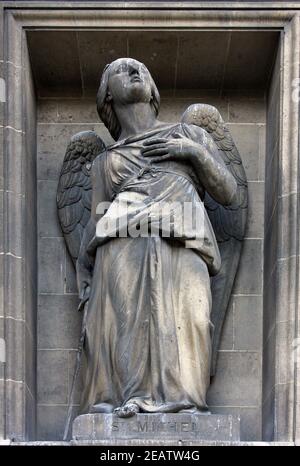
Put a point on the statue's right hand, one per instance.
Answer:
(84, 296)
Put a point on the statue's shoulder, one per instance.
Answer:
(101, 155)
(194, 132)
(193, 128)
(98, 164)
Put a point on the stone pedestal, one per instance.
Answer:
(178, 428)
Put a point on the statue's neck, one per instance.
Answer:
(135, 118)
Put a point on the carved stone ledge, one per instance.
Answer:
(180, 428)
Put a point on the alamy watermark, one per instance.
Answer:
(134, 218)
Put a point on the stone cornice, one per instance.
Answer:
(154, 5)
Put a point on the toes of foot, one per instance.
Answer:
(127, 411)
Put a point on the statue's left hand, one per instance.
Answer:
(178, 148)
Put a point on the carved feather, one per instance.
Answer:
(229, 222)
(74, 192)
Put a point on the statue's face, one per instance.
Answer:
(129, 82)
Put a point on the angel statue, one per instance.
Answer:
(154, 304)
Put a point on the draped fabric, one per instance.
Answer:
(148, 331)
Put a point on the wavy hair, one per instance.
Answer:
(105, 109)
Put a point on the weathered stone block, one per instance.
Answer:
(272, 186)
(2, 408)
(249, 274)
(247, 110)
(30, 363)
(262, 152)
(285, 285)
(269, 360)
(14, 147)
(1, 157)
(268, 415)
(287, 239)
(273, 117)
(30, 415)
(59, 322)
(52, 143)
(15, 228)
(15, 331)
(195, 49)
(52, 262)
(48, 224)
(1, 221)
(181, 427)
(285, 339)
(51, 422)
(53, 377)
(31, 300)
(250, 420)
(65, 65)
(227, 336)
(47, 111)
(14, 100)
(14, 406)
(284, 405)
(248, 323)
(270, 250)
(255, 223)
(2, 260)
(246, 138)
(14, 268)
(237, 381)
(77, 111)
(2, 355)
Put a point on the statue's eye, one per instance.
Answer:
(121, 69)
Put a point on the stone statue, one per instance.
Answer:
(154, 304)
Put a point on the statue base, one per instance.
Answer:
(176, 427)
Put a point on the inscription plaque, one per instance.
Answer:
(175, 426)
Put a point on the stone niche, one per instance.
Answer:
(239, 63)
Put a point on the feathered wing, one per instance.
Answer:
(228, 222)
(74, 192)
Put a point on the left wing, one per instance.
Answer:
(228, 222)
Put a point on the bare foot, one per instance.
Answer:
(128, 410)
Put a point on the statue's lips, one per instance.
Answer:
(136, 80)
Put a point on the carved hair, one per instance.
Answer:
(105, 108)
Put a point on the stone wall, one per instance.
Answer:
(281, 282)
(18, 254)
(271, 238)
(2, 336)
(237, 385)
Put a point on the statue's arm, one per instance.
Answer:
(212, 171)
(197, 148)
(85, 261)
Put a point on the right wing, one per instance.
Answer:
(74, 192)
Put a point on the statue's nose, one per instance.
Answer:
(134, 71)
